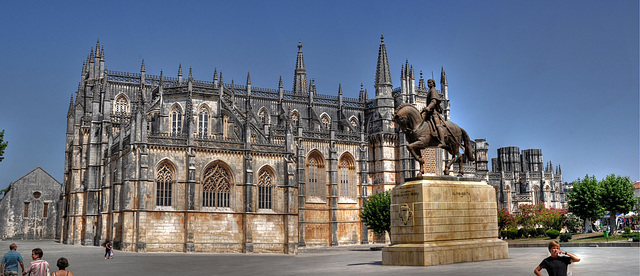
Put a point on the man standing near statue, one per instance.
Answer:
(431, 113)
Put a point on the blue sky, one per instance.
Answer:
(557, 75)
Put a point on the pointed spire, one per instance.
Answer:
(215, 74)
(411, 75)
(98, 48)
(190, 75)
(142, 69)
(161, 78)
(300, 74)
(91, 56)
(248, 78)
(221, 78)
(406, 69)
(361, 96)
(280, 83)
(70, 106)
(102, 53)
(421, 84)
(443, 77)
(180, 73)
(383, 75)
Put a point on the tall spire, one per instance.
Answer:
(98, 48)
(180, 73)
(300, 76)
(443, 77)
(142, 69)
(383, 75)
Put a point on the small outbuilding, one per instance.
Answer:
(29, 208)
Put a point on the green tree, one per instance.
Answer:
(3, 145)
(616, 195)
(376, 212)
(585, 200)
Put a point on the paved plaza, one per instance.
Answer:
(350, 260)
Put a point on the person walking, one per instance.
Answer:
(10, 261)
(62, 265)
(108, 250)
(38, 267)
(556, 265)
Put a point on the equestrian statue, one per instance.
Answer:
(431, 130)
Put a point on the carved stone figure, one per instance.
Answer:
(420, 135)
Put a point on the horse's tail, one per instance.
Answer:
(469, 154)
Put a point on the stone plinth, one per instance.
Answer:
(443, 220)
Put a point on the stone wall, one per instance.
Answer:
(29, 210)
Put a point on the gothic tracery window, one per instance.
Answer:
(354, 123)
(326, 121)
(265, 189)
(203, 122)
(347, 178)
(216, 187)
(295, 118)
(316, 186)
(121, 105)
(164, 181)
(264, 116)
(176, 121)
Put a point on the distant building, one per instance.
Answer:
(29, 209)
(519, 177)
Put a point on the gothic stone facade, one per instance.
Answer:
(29, 209)
(521, 178)
(156, 163)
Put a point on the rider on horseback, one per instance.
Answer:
(431, 113)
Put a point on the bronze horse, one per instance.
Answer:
(420, 136)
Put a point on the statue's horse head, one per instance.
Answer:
(408, 118)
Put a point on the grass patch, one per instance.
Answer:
(600, 238)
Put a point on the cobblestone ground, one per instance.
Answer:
(351, 260)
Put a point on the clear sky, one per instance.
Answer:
(561, 76)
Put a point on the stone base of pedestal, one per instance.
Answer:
(443, 220)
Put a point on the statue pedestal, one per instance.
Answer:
(443, 220)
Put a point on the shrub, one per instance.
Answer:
(540, 232)
(565, 237)
(627, 230)
(512, 233)
(506, 220)
(635, 236)
(572, 222)
(522, 233)
(553, 233)
(376, 213)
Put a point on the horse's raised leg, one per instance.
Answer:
(412, 149)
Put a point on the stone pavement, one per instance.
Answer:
(344, 260)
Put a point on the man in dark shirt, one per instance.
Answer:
(556, 265)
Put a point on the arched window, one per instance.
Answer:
(354, 123)
(536, 195)
(216, 187)
(326, 121)
(265, 189)
(347, 177)
(121, 105)
(264, 116)
(203, 122)
(316, 186)
(295, 118)
(164, 181)
(176, 121)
